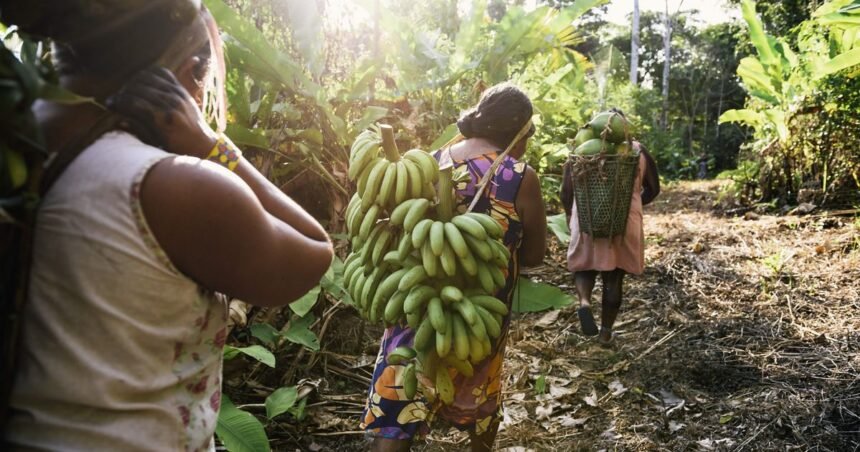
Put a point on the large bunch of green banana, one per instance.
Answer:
(416, 265)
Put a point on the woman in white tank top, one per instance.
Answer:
(123, 329)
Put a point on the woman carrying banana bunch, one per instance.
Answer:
(501, 120)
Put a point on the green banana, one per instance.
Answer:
(493, 228)
(494, 328)
(404, 247)
(413, 277)
(410, 381)
(369, 219)
(424, 335)
(394, 308)
(386, 189)
(477, 327)
(413, 319)
(437, 237)
(416, 212)
(470, 226)
(463, 366)
(461, 338)
(401, 184)
(476, 350)
(469, 264)
(364, 155)
(485, 278)
(381, 246)
(367, 293)
(498, 276)
(417, 297)
(374, 182)
(360, 281)
(399, 212)
(391, 258)
(490, 303)
(361, 185)
(415, 178)
(466, 310)
(451, 294)
(437, 315)
(426, 162)
(420, 232)
(429, 261)
(400, 354)
(384, 290)
(448, 260)
(455, 239)
(443, 343)
(480, 248)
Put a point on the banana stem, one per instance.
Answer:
(445, 209)
(388, 144)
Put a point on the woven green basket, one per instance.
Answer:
(602, 187)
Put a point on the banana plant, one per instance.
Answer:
(777, 78)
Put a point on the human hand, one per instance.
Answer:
(159, 110)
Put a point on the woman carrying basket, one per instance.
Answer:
(502, 120)
(611, 257)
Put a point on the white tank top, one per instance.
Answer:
(119, 351)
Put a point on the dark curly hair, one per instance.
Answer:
(500, 114)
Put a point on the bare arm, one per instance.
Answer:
(215, 230)
(530, 207)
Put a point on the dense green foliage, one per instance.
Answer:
(802, 105)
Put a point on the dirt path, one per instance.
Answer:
(741, 335)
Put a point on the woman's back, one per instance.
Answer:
(120, 351)
(499, 200)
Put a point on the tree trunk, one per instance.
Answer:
(667, 62)
(634, 46)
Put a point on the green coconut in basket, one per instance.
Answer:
(610, 126)
(584, 134)
(593, 147)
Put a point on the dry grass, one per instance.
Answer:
(741, 335)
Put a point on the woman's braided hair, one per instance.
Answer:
(500, 114)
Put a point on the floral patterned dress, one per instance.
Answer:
(477, 401)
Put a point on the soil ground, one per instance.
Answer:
(742, 334)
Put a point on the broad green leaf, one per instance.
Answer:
(750, 117)
(530, 296)
(265, 332)
(281, 401)
(447, 135)
(298, 332)
(757, 34)
(240, 431)
(259, 53)
(777, 118)
(333, 279)
(843, 61)
(245, 137)
(257, 352)
(583, 6)
(558, 225)
(304, 304)
(831, 7)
